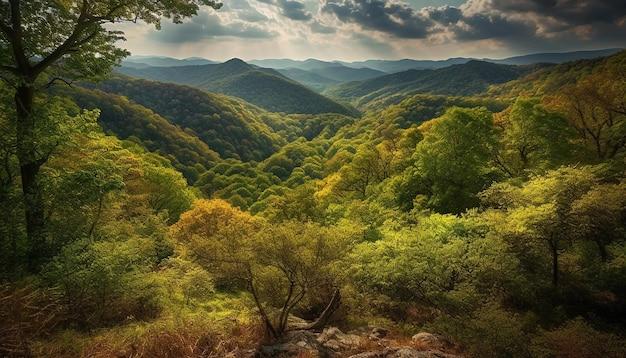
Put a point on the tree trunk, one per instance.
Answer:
(29, 170)
(604, 255)
(324, 317)
(555, 263)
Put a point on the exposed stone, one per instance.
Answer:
(333, 338)
(332, 342)
(404, 352)
(295, 343)
(432, 340)
(378, 333)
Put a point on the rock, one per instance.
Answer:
(296, 343)
(334, 345)
(432, 340)
(330, 333)
(404, 352)
(333, 338)
(378, 333)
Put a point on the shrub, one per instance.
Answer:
(577, 339)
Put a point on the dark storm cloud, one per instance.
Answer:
(445, 14)
(394, 18)
(516, 22)
(545, 23)
(494, 26)
(206, 26)
(574, 12)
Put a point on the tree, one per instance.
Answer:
(279, 265)
(540, 210)
(596, 107)
(370, 165)
(43, 42)
(438, 262)
(600, 216)
(532, 138)
(451, 164)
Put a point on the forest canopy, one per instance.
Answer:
(149, 219)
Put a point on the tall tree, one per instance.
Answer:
(451, 163)
(43, 42)
(529, 139)
(595, 106)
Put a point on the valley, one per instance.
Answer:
(153, 206)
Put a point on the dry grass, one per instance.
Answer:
(26, 313)
(183, 341)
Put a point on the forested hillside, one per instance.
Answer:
(466, 79)
(233, 128)
(260, 86)
(127, 120)
(477, 210)
(551, 80)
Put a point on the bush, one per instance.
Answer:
(490, 332)
(577, 339)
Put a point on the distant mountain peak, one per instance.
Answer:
(236, 60)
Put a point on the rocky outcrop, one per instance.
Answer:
(297, 343)
(404, 352)
(373, 343)
(432, 340)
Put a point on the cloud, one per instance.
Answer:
(389, 28)
(206, 26)
(574, 12)
(294, 10)
(319, 28)
(391, 17)
(512, 22)
(243, 11)
(542, 23)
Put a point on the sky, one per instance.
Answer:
(353, 30)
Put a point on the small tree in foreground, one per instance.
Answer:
(279, 265)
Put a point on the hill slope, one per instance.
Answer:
(459, 80)
(147, 61)
(393, 66)
(263, 87)
(557, 57)
(231, 127)
(551, 79)
(128, 120)
(308, 78)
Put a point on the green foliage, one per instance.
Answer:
(528, 139)
(495, 226)
(451, 163)
(491, 332)
(128, 120)
(467, 79)
(277, 264)
(444, 261)
(577, 338)
(541, 211)
(228, 126)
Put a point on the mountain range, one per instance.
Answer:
(465, 79)
(319, 75)
(264, 87)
